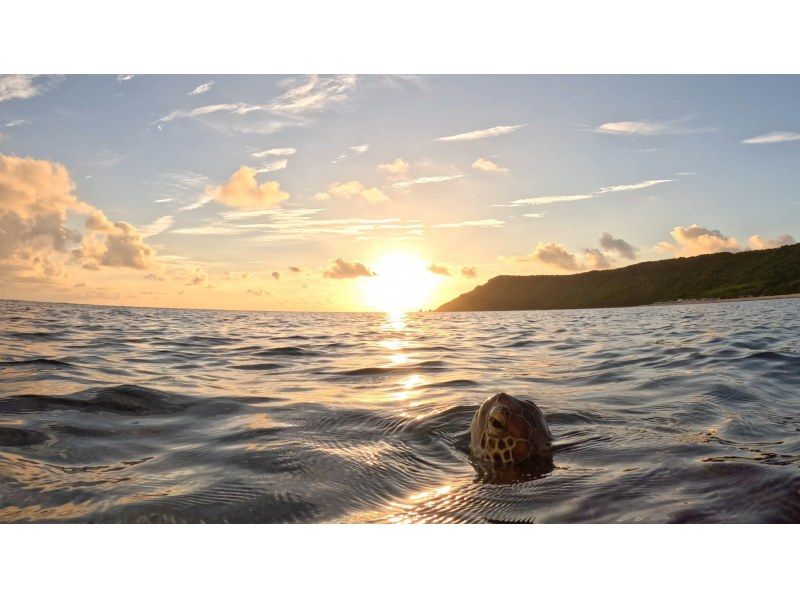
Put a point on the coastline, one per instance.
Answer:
(728, 300)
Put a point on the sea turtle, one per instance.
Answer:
(510, 432)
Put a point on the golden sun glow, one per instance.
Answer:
(402, 282)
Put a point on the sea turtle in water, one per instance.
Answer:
(509, 432)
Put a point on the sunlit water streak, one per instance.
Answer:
(674, 413)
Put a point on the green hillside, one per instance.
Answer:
(718, 275)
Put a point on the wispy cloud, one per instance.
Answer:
(273, 166)
(360, 149)
(425, 180)
(277, 151)
(202, 88)
(645, 128)
(16, 123)
(482, 133)
(776, 137)
(159, 225)
(123, 78)
(295, 107)
(534, 215)
(489, 223)
(20, 87)
(602, 191)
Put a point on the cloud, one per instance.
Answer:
(426, 180)
(549, 199)
(555, 254)
(164, 200)
(622, 248)
(276, 275)
(756, 242)
(199, 278)
(776, 137)
(697, 240)
(158, 226)
(469, 272)
(123, 78)
(20, 87)
(243, 191)
(15, 123)
(594, 259)
(341, 269)
(439, 270)
(482, 133)
(639, 128)
(125, 248)
(602, 191)
(489, 223)
(360, 149)
(551, 254)
(488, 166)
(276, 151)
(273, 166)
(36, 197)
(534, 215)
(352, 190)
(295, 107)
(202, 88)
(397, 168)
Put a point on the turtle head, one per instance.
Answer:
(508, 431)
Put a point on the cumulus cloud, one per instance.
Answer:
(621, 247)
(594, 259)
(485, 165)
(20, 87)
(633, 128)
(481, 133)
(555, 254)
(202, 88)
(697, 240)
(469, 272)
(756, 242)
(352, 190)
(602, 191)
(36, 197)
(340, 269)
(776, 137)
(397, 168)
(199, 278)
(244, 192)
(276, 275)
(276, 151)
(439, 270)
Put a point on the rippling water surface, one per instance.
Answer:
(661, 414)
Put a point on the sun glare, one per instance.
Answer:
(402, 282)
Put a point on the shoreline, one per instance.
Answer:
(728, 300)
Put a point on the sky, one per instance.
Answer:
(354, 193)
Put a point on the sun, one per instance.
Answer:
(402, 282)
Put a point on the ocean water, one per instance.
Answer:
(660, 414)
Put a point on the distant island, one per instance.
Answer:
(705, 277)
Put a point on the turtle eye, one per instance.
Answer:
(496, 423)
